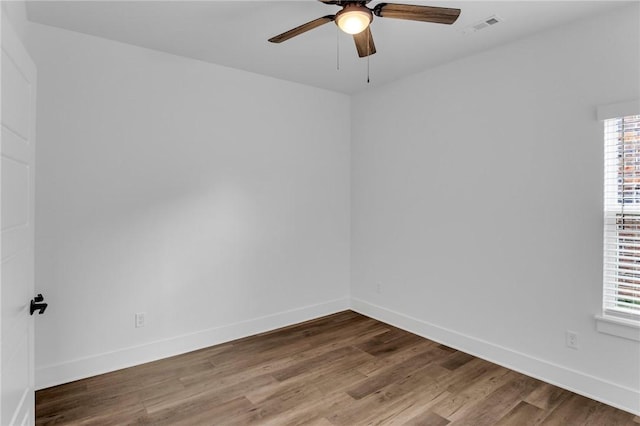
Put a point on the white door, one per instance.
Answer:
(18, 94)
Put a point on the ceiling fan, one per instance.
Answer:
(355, 18)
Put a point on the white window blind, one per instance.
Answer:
(622, 217)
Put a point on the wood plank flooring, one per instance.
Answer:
(344, 369)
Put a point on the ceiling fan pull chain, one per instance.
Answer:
(338, 48)
(368, 55)
(368, 80)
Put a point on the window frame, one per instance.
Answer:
(611, 321)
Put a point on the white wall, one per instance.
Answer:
(477, 203)
(214, 200)
(16, 12)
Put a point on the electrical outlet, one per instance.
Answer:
(572, 339)
(140, 319)
(379, 288)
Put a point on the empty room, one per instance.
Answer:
(325, 212)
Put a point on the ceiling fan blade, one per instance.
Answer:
(302, 29)
(364, 43)
(440, 15)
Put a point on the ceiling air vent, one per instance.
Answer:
(481, 25)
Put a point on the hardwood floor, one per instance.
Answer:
(344, 369)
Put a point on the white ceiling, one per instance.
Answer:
(235, 33)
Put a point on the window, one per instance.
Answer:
(621, 289)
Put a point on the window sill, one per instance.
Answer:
(621, 327)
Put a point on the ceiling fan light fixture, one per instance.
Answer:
(354, 18)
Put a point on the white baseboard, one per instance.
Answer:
(575, 381)
(57, 374)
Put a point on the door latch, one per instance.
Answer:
(37, 305)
